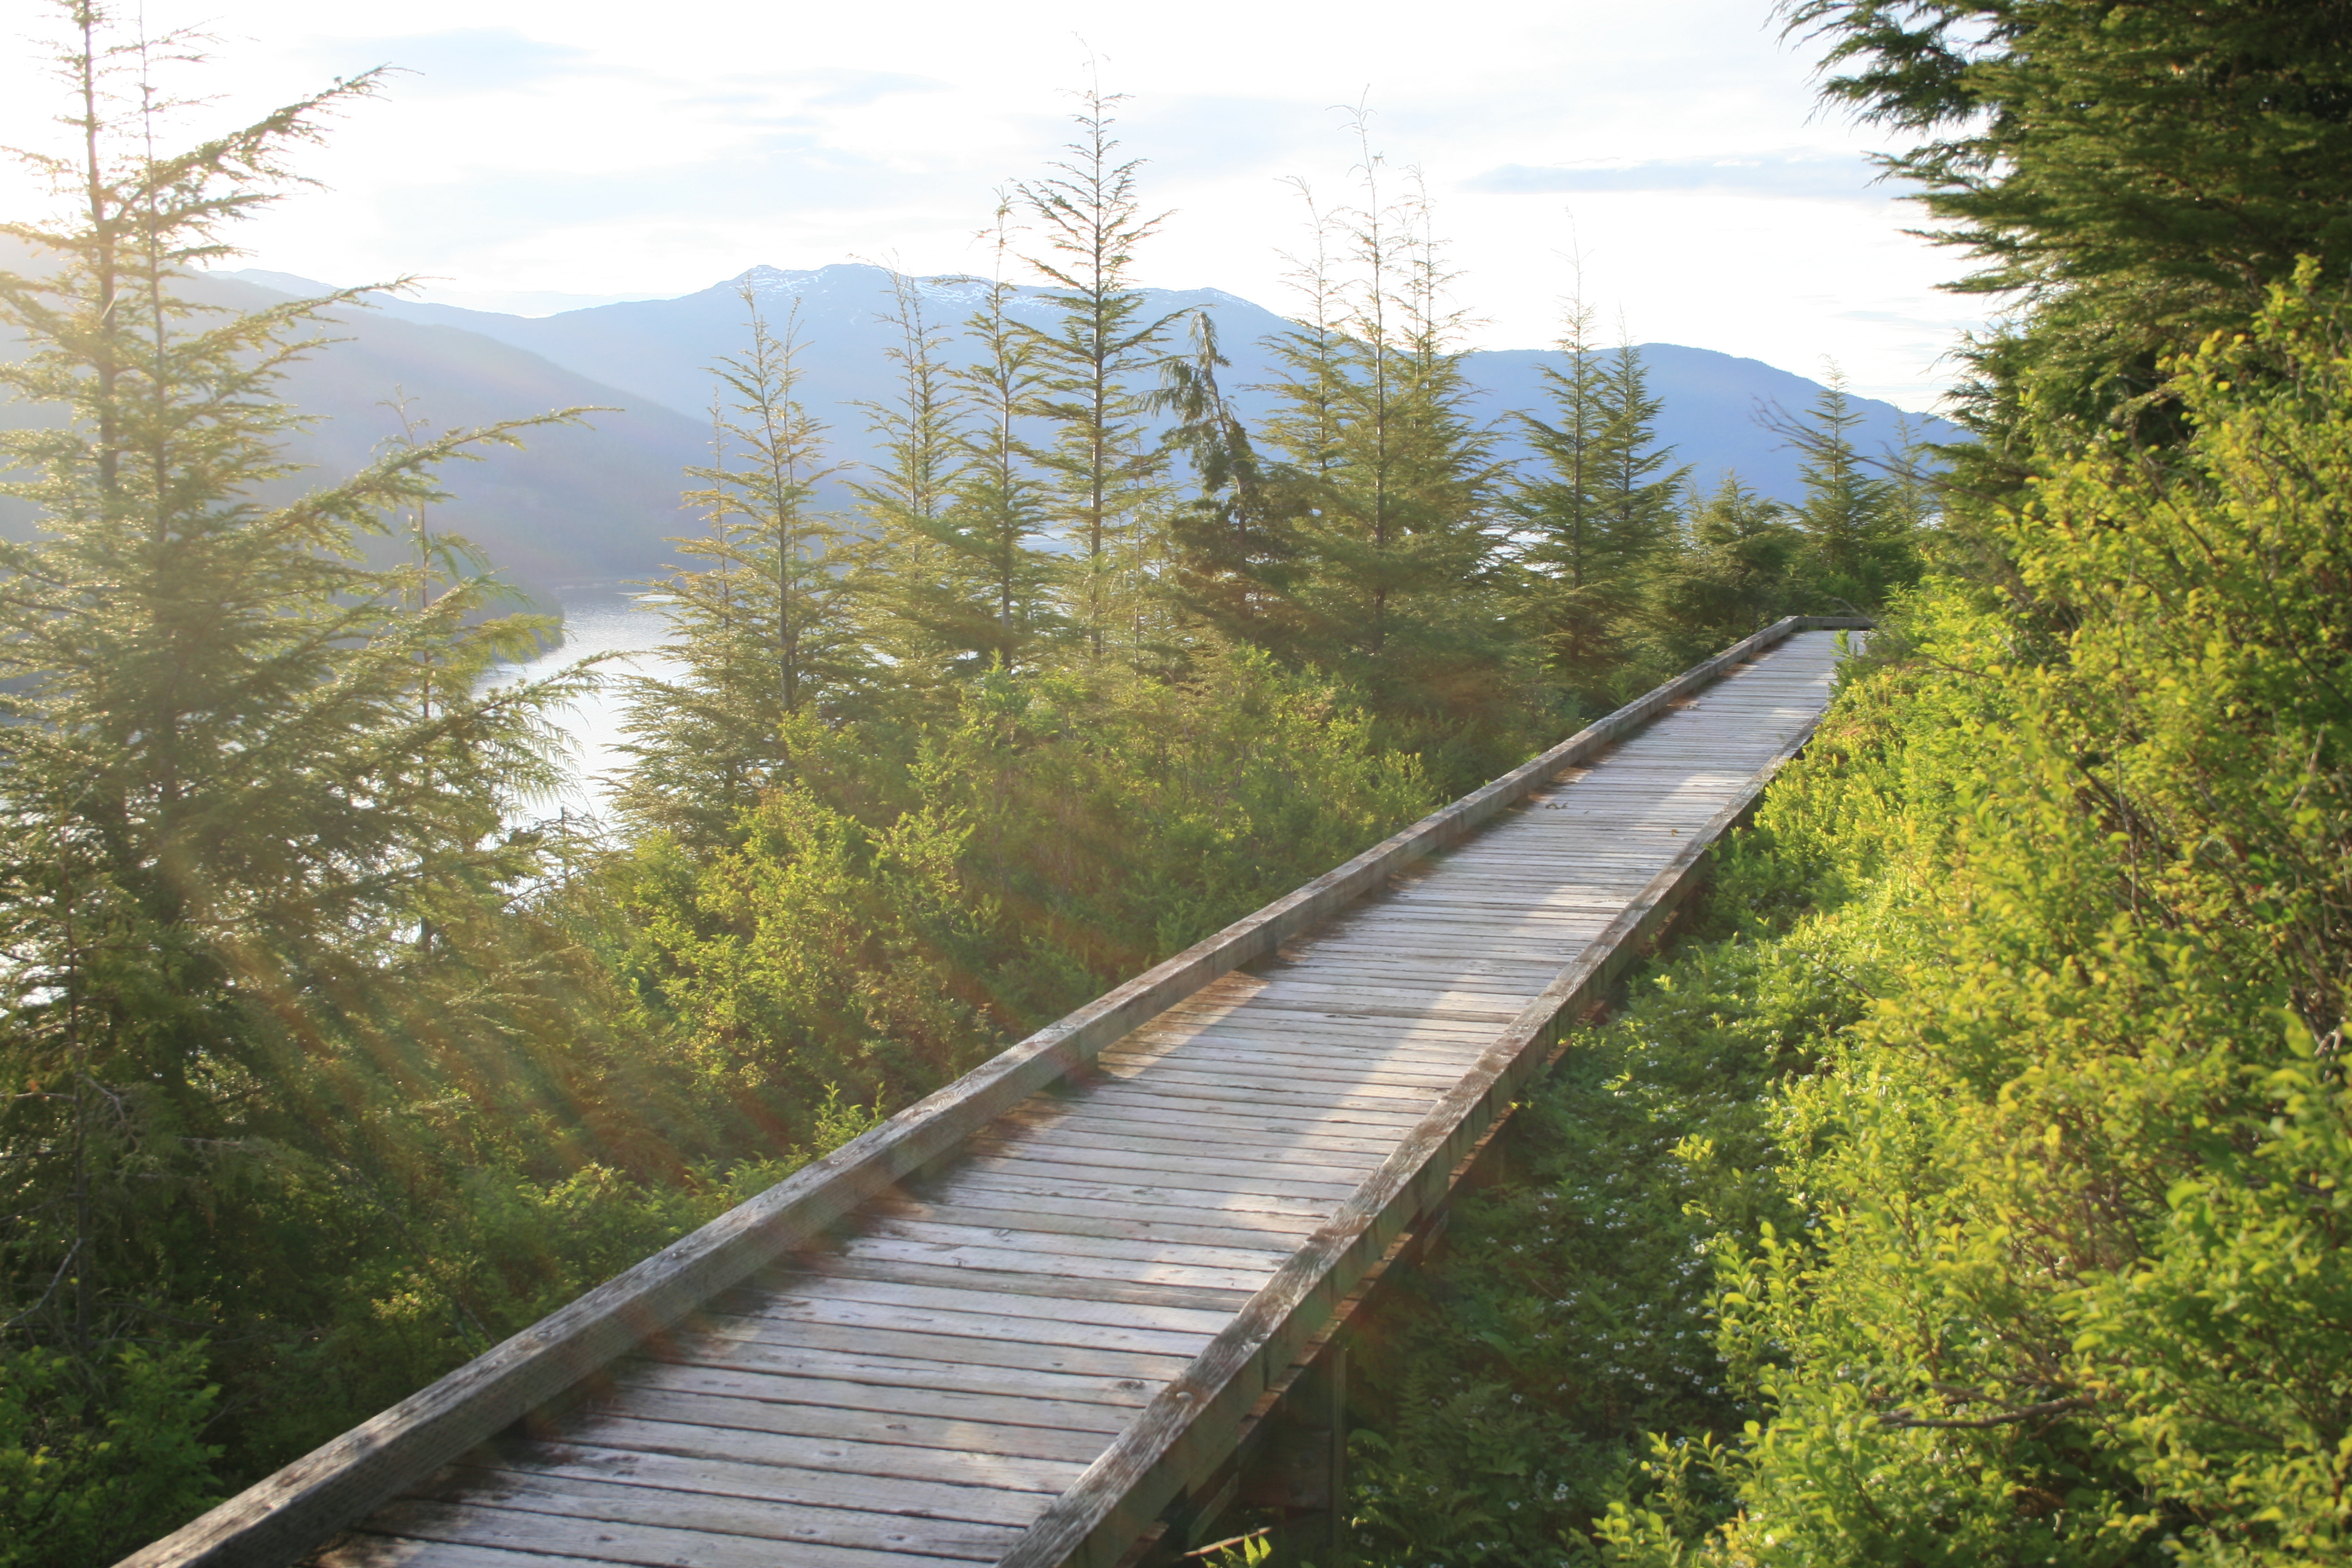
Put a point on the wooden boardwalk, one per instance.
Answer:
(1004, 1358)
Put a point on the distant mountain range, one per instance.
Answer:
(582, 506)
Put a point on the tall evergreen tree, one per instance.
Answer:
(1559, 512)
(1309, 390)
(255, 890)
(1857, 545)
(2136, 177)
(1638, 491)
(926, 583)
(1233, 548)
(1000, 504)
(765, 629)
(1102, 462)
(1597, 523)
(1394, 519)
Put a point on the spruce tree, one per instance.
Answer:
(1233, 547)
(1858, 547)
(255, 889)
(1000, 504)
(1597, 523)
(926, 581)
(1396, 531)
(1558, 514)
(764, 627)
(1309, 389)
(1102, 463)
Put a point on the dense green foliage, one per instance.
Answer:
(2023, 1150)
(2002, 1081)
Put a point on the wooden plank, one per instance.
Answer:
(779, 1289)
(995, 1189)
(884, 1374)
(966, 1468)
(1116, 1147)
(1276, 1035)
(1186, 1102)
(1219, 1108)
(1310, 1014)
(756, 1519)
(1148, 1367)
(1174, 1137)
(1022, 1219)
(1320, 1026)
(1163, 1102)
(1434, 940)
(994, 1409)
(919, 1241)
(1518, 977)
(1242, 1075)
(1153, 1109)
(1248, 1030)
(572, 1463)
(827, 1311)
(1039, 1166)
(601, 1541)
(1351, 1001)
(1334, 1166)
(1296, 1063)
(898, 1429)
(1035, 1282)
(1171, 1089)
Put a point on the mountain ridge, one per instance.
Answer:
(580, 507)
(659, 349)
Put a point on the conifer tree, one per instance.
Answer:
(2136, 177)
(1857, 546)
(1394, 520)
(1000, 504)
(1231, 546)
(764, 629)
(1734, 570)
(1560, 512)
(254, 884)
(1638, 491)
(1102, 463)
(1310, 390)
(1598, 522)
(926, 581)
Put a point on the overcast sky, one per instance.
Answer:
(605, 150)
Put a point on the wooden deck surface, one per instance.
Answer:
(923, 1391)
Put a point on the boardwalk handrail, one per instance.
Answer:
(289, 1512)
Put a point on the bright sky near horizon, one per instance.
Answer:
(599, 150)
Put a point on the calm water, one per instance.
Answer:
(595, 621)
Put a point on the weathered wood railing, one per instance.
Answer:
(1186, 1427)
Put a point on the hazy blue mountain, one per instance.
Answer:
(585, 506)
(658, 348)
(572, 506)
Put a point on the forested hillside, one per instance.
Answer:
(1967, 1185)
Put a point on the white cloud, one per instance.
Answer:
(1827, 176)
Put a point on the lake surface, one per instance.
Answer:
(606, 620)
